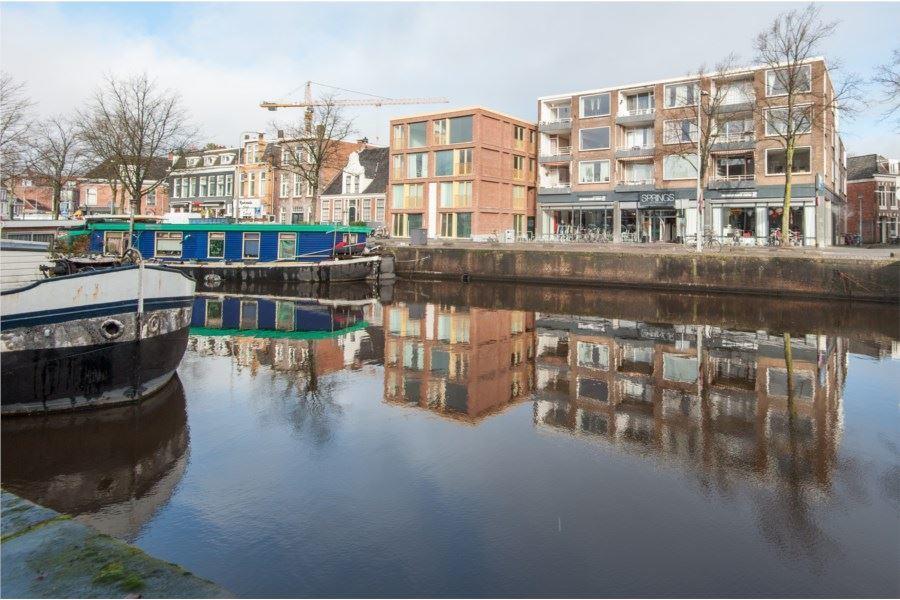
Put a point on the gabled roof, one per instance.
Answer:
(375, 166)
(181, 161)
(159, 167)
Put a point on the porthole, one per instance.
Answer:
(111, 329)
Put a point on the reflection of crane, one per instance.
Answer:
(309, 103)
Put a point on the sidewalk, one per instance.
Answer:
(46, 554)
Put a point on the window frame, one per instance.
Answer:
(694, 132)
(666, 87)
(807, 66)
(798, 106)
(599, 160)
(683, 157)
(766, 157)
(581, 138)
(209, 238)
(179, 235)
(283, 236)
(244, 237)
(581, 111)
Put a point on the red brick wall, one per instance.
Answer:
(862, 194)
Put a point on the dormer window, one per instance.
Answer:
(209, 160)
(226, 159)
(193, 161)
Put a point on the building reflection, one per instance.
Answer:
(465, 363)
(752, 403)
(112, 467)
(307, 337)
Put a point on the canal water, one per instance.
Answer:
(451, 440)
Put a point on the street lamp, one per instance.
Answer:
(699, 169)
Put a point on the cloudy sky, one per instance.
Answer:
(224, 58)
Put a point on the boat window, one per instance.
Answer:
(114, 242)
(251, 245)
(214, 314)
(216, 246)
(284, 316)
(249, 312)
(287, 245)
(168, 244)
(350, 238)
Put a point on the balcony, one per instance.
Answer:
(732, 182)
(556, 125)
(556, 155)
(636, 152)
(729, 106)
(733, 141)
(555, 188)
(638, 116)
(635, 185)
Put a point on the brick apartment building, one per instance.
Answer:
(98, 192)
(461, 363)
(465, 173)
(614, 158)
(873, 198)
(32, 195)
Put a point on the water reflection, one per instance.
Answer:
(113, 468)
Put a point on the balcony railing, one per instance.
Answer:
(635, 151)
(635, 112)
(727, 138)
(562, 124)
(557, 154)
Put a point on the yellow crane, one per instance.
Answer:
(309, 103)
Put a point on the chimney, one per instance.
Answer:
(363, 143)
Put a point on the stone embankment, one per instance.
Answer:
(46, 554)
(768, 272)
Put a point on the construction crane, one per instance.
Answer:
(309, 103)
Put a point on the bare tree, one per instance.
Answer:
(887, 77)
(129, 126)
(314, 147)
(703, 109)
(15, 128)
(56, 156)
(797, 102)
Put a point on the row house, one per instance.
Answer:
(31, 195)
(615, 159)
(357, 194)
(100, 191)
(467, 173)
(202, 181)
(873, 198)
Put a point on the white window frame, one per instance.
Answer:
(244, 244)
(168, 235)
(608, 170)
(175, 187)
(797, 107)
(286, 235)
(695, 132)
(208, 161)
(684, 157)
(581, 105)
(209, 237)
(685, 83)
(581, 139)
(769, 72)
(766, 156)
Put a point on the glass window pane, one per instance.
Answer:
(416, 135)
(443, 163)
(460, 130)
(596, 138)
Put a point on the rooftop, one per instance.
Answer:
(465, 109)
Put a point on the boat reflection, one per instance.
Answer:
(113, 468)
(752, 403)
(465, 363)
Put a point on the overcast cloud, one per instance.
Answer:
(225, 58)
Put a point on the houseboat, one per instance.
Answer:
(244, 251)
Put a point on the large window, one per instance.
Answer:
(777, 165)
(379, 210)
(456, 225)
(736, 92)
(639, 137)
(680, 167)
(681, 131)
(402, 223)
(519, 201)
(416, 135)
(417, 165)
(397, 195)
(229, 184)
(215, 247)
(203, 187)
(287, 245)
(796, 79)
(446, 194)
(593, 356)
(639, 103)
(736, 129)
(462, 162)
(176, 189)
(460, 130)
(251, 246)
(593, 171)
(595, 106)
(638, 173)
(735, 167)
(462, 193)
(681, 94)
(441, 132)
(595, 138)
(168, 244)
(443, 163)
(397, 165)
(778, 120)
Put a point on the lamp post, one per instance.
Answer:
(700, 169)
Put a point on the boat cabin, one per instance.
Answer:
(226, 242)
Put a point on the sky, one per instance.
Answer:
(225, 58)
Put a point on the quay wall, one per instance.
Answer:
(876, 280)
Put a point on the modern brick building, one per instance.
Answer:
(873, 198)
(614, 159)
(465, 173)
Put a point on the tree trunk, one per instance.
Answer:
(786, 206)
(314, 205)
(56, 198)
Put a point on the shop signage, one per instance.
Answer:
(648, 200)
(747, 194)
